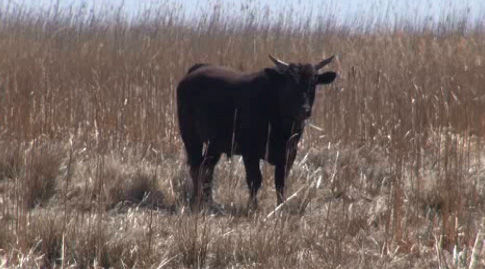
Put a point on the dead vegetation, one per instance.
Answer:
(92, 172)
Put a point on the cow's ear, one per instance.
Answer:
(326, 78)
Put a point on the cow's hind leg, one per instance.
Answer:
(211, 157)
(253, 179)
(193, 146)
(207, 171)
(194, 154)
(202, 174)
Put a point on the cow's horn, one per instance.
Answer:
(324, 63)
(282, 66)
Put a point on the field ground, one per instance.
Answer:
(93, 174)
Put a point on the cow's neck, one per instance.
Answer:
(282, 129)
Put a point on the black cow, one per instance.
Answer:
(257, 115)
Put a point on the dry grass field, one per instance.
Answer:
(93, 173)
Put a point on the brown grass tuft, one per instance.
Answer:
(40, 172)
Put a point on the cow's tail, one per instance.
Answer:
(195, 67)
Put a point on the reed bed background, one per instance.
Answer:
(93, 174)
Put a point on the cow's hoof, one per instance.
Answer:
(210, 208)
(252, 206)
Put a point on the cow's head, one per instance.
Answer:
(296, 87)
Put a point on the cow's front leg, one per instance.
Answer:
(279, 180)
(196, 194)
(253, 178)
(282, 170)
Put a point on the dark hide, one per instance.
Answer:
(257, 115)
